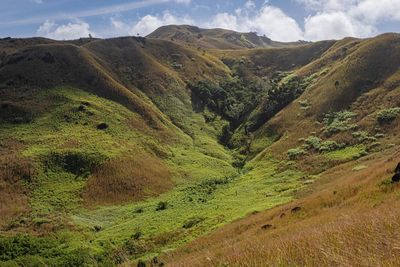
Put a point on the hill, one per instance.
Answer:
(119, 150)
(215, 38)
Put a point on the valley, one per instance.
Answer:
(167, 150)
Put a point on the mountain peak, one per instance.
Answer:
(216, 38)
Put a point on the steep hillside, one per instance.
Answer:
(120, 150)
(215, 38)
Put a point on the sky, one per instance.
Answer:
(280, 20)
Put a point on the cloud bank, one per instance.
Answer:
(328, 19)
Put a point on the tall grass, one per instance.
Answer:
(351, 219)
(125, 179)
(13, 199)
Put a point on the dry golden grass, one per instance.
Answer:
(127, 179)
(350, 218)
(13, 196)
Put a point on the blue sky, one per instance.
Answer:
(282, 20)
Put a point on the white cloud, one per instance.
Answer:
(373, 11)
(269, 20)
(274, 23)
(340, 18)
(334, 25)
(249, 4)
(148, 23)
(183, 1)
(224, 21)
(68, 31)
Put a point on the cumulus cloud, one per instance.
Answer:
(341, 18)
(148, 23)
(70, 31)
(334, 25)
(269, 20)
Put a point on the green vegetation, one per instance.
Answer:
(26, 250)
(164, 143)
(386, 116)
(340, 121)
(209, 192)
(193, 209)
(232, 99)
(284, 89)
(347, 153)
(363, 137)
(294, 153)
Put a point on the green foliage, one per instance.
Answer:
(279, 96)
(386, 116)
(363, 137)
(193, 221)
(75, 162)
(340, 121)
(28, 250)
(162, 205)
(232, 99)
(317, 144)
(200, 206)
(328, 146)
(304, 104)
(347, 153)
(313, 142)
(295, 153)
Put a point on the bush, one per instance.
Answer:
(328, 146)
(77, 163)
(313, 142)
(386, 116)
(192, 222)
(28, 250)
(162, 205)
(363, 136)
(304, 104)
(295, 153)
(336, 122)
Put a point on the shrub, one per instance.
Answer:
(313, 142)
(77, 163)
(304, 104)
(162, 205)
(386, 116)
(363, 136)
(295, 153)
(28, 250)
(336, 122)
(192, 222)
(329, 146)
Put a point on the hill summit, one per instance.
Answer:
(215, 38)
